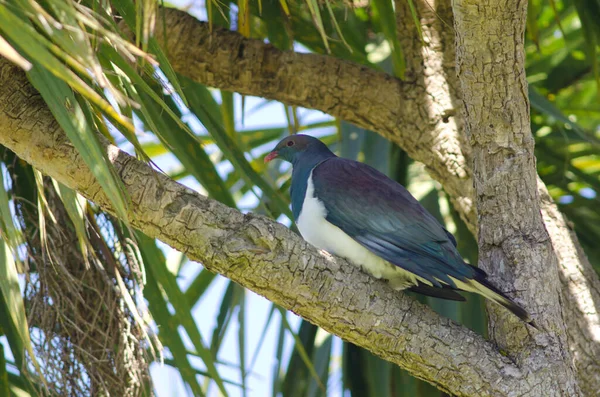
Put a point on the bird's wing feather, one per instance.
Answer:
(385, 218)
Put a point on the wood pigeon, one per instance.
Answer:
(354, 211)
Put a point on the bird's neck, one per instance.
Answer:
(300, 174)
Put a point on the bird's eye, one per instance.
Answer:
(290, 143)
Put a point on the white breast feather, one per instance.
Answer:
(324, 235)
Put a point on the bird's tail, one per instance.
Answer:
(482, 286)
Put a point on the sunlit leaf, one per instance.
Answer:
(14, 317)
(7, 51)
(72, 118)
(32, 43)
(315, 12)
(387, 18)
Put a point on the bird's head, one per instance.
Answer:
(293, 147)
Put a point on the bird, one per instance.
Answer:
(352, 210)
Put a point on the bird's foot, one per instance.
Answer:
(326, 254)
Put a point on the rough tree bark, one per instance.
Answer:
(416, 339)
(514, 246)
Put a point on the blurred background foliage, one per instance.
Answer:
(79, 288)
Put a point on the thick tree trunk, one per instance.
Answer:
(579, 295)
(514, 246)
(429, 94)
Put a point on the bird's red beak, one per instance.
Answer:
(271, 156)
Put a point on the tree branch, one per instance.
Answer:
(267, 258)
(377, 101)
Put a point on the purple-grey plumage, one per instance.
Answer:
(352, 210)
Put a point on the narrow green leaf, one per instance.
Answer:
(218, 13)
(35, 46)
(168, 332)
(277, 375)
(321, 360)
(337, 26)
(403, 384)
(230, 301)
(378, 374)
(173, 364)
(7, 51)
(209, 10)
(109, 60)
(20, 386)
(301, 369)
(228, 111)
(564, 164)
(223, 317)
(557, 17)
(72, 118)
(276, 23)
(167, 69)
(140, 86)
(7, 227)
(315, 12)
(10, 331)
(182, 310)
(352, 29)
(242, 339)
(187, 150)
(4, 390)
(589, 12)
(198, 287)
(74, 204)
(285, 7)
(154, 149)
(543, 105)
(415, 17)
(354, 374)
(14, 317)
(425, 389)
(126, 9)
(384, 12)
(244, 17)
(534, 8)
